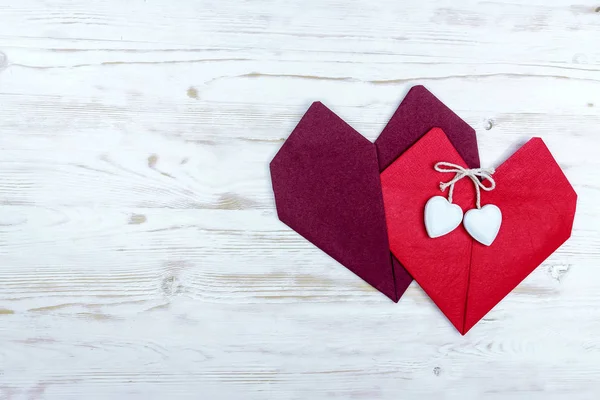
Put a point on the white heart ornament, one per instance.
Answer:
(483, 224)
(441, 216)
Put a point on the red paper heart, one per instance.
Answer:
(463, 277)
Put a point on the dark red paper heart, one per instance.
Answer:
(463, 277)
(327, 187)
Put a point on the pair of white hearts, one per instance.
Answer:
(442, 217)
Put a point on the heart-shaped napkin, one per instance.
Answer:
(327, 186)
(466, 279)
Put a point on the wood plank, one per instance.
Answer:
(140, 252)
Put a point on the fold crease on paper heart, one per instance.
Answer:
(326, 181)
(464, 278)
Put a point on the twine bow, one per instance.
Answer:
(473, 174)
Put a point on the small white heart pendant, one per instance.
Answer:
(483, 224)
(441, 216)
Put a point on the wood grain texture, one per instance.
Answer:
(140, 253)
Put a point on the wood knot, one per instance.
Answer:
(136, 219)
(580, 58)
(171, 286)
(152, 160)
(3, 60)
(171, 283)
(192, 93)
(558, 272)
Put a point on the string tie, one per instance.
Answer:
(473, 174)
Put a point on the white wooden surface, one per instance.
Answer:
(140, 253)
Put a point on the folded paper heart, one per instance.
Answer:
(327, 186)
(326, 180)
(466, 279)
